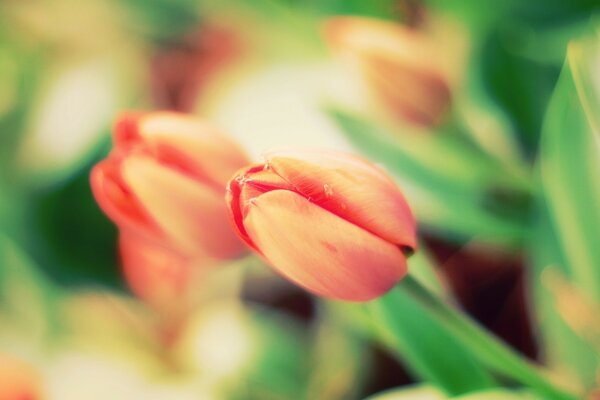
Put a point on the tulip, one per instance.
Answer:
(330, 222)
(401, 66)
(18, 380)
(156, 274)
(163, 185)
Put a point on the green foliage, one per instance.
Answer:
(73, 240)
(566, 245)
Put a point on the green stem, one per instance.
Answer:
(489, 350)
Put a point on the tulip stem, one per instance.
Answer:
(489, 350)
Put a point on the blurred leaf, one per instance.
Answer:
(380, 9)
(21, 69)
(114, 326)
(521, 86)
(280, 370)
(570, 164)
(248, 352)
(71, 236)
(420, 341)
(568, 227)
(499, 394)
(162, 20)
(420, 392)
(339, 361)
(448, 184)
(27, 299)
(431, 393)
(426, 345)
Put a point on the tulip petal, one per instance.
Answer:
(117, 201)
(156, 274)
(192, 214)
(193, 146)
(371, 36)
(351, 188)
(320, 251)
(416, 94)
(236, 203)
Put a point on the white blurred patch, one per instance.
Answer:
(219, 343)
(283, 106)
(78, 376)
(71, 114)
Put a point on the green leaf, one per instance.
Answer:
(416, 392)
(426, 346)
(425, 392)
(420, 341)
(427, 349)
(499, 394)
(566, 245)
(570, 166)
(279, 369)
(340, 362)
(27, 299)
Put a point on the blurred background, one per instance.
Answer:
(498, 157)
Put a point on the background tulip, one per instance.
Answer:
(163, 185)
(401, 65)
(331, 222)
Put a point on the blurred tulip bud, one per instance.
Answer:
(330, 222)
(163, 185)
(157, 274)
(18, 380)
(401, 66)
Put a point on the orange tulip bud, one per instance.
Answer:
(401, 66)
(330, 222)
(163, 185)
(157, 274)
(18, 380)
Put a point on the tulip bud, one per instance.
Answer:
(330, 222)
(163, 186)
(18, 380)
(401, 66)
(157, 274)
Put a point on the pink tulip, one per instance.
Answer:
(18, 380)
(330, 222)
(163, 186)
(401, 66)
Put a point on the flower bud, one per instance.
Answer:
(158, 275)
(163, 185)
(330, 222)
(401, 65)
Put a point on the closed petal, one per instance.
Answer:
(156, 274)
(413, 93)
(236, 204)
(316, 249)
(187, 143)
(351, 188)
(370, 36)
(117, 201)
(192, 215)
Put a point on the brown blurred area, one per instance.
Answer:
(181, 67)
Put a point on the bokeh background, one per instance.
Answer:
(505, 190)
